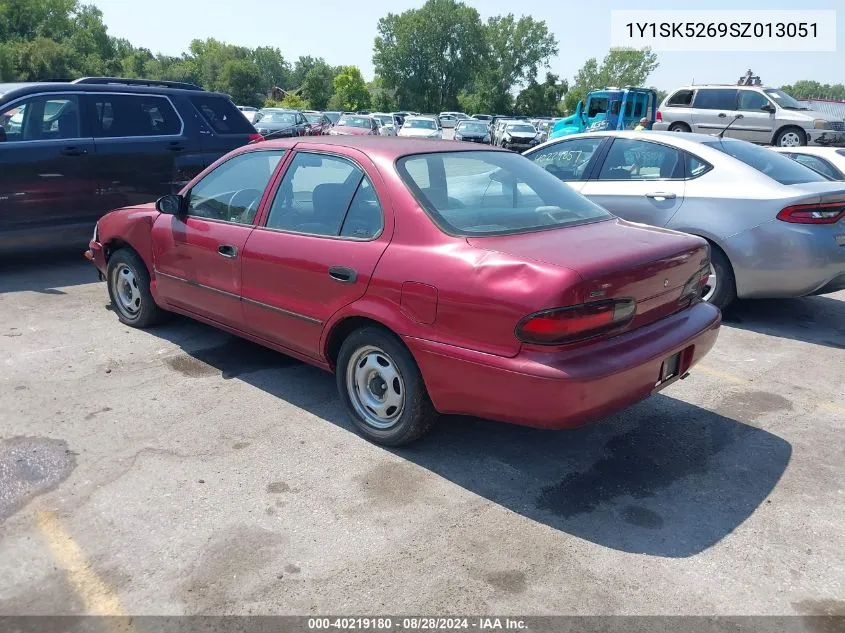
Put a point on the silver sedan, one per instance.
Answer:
(776, 228)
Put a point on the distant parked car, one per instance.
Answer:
(828, 161)
(333, 116)
(421, 127)
(430, 279)
(71, 151)
(482, 117)
(355, 125)
(249, 112)
(755, 113)
(543, 129)
(774, 226)
(319, 122)
(472, 130)
(449, 119)
(281, 123)
(518, 136)
(388, 124)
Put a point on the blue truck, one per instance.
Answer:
(609, 109)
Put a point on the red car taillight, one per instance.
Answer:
(658, 116)
(694, 287)
(575, 323)
(255, 138)
(829, 213)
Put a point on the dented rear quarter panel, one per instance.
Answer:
(480, 295)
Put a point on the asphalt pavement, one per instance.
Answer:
(181, 470)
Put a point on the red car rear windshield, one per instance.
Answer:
(493, 193)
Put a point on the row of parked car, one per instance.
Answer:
(512, 133)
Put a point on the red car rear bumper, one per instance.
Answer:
(565, 389)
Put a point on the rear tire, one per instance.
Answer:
(382, 388)
(680, 127)
(129, 289)
(721, 288)
(791, 137)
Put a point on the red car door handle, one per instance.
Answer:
(227, 250)
(661, 195)
(343, 274)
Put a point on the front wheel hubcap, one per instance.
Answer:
(375, 387)
(126, 290)
(790, 139)
(710, 285)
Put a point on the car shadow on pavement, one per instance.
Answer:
(45, 274)
(818, 320)
(664, 478)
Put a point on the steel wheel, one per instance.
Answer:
(375, 387)
(711, 285)
(790, 139)
(126, 291)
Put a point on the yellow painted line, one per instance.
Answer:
(96, 595)
(715, 373)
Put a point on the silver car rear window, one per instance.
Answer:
(776, 166)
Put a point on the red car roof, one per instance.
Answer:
(387, 147)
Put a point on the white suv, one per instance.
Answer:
(755, 113)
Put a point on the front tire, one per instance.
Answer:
(382, 388)
(720, 289)
(129, 289)
(791, 137)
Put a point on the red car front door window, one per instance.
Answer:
(198, 256)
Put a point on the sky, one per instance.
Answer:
(342, 32)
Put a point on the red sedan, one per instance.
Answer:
(319, 122)
(355, 125)
(430, 277)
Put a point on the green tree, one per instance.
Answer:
(350, 89)
(473, 102)
(542, 99)
(428, 55)
(808, 89)
(318, 85)
(29, 19)
(515, 51)
(621, 67)
(273, 70)
(301, 68)
(242, 81)
(382, 99)
(293, 102)
(41, 59)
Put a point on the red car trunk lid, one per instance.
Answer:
(615, 259)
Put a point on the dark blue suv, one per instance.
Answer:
(70, 152)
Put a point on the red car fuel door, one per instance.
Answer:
(198, 254)
(324, 233)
